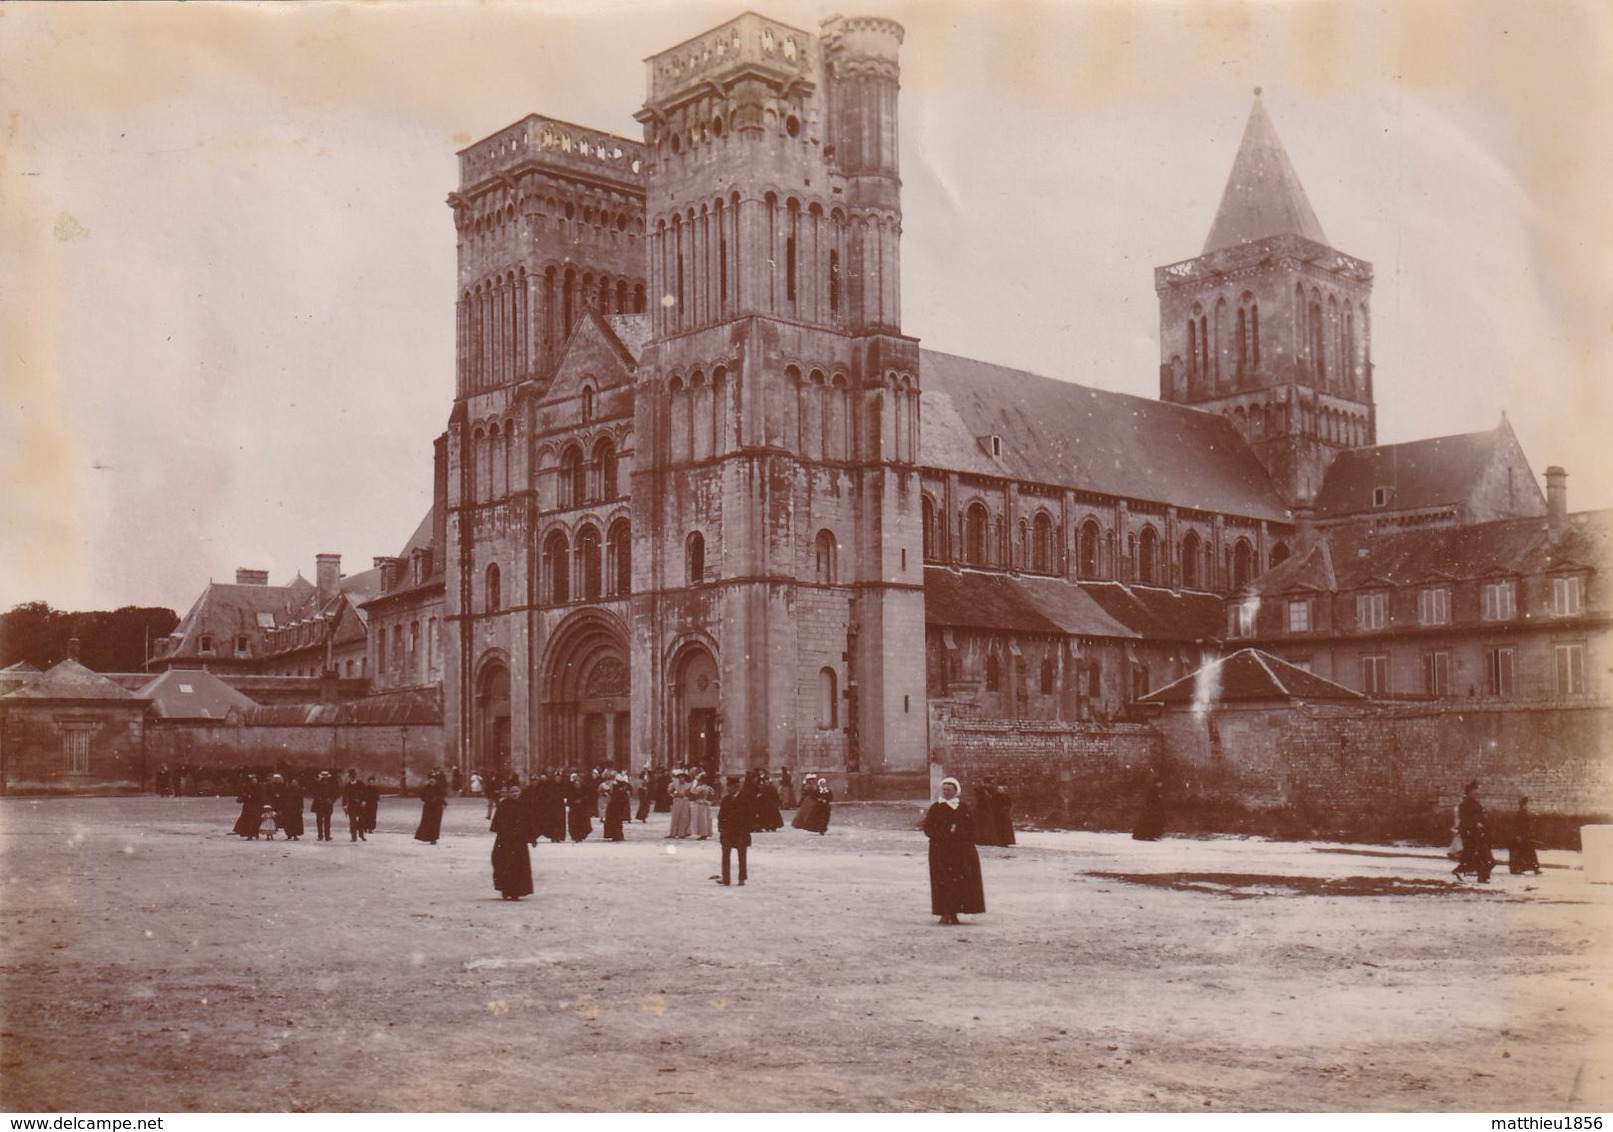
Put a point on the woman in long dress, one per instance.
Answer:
(955, 884)
(618, 808)
(433, 801)
(579, 808)
(288, 809)
(246, 825)
(512, 860)
(682, 809)
(1521, 855)
(701, 796)
(809, 802)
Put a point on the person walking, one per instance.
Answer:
(353, 806)
(433, 801)
(579, 808)
(1473, 825)
(736, 817)
(618, 808)
(804, 818)
(682, 809)
(288, 808)
(324, 804)
(955, 883)
(1150, 824)
(372, 804)
(646, 788)
(1521, 855)
(251, 799)
(512, 857)
(786, 789)
(768, 815)
(701, 795)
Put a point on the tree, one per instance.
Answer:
(109, 641)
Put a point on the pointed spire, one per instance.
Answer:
(1263, 196)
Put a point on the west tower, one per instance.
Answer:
(550, 222)
(1270, 325)
(778, 600)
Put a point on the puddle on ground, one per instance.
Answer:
(1246, 886)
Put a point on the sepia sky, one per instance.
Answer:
(227, 268)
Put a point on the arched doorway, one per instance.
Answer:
(694, 697)
(492, 735)
(584, 710)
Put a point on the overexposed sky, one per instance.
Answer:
(227, 268)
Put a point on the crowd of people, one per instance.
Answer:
(561, 806)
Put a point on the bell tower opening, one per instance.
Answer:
(1270, 325)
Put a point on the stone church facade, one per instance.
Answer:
(701, 500)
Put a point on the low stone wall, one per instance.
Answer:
(380, 750)
(1072, 774)
(1373, 772)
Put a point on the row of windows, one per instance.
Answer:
(398, 651)
(1145, 560)
(582, 479)
(1498, 602)
(1497, 676)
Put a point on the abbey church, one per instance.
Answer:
(701, 500)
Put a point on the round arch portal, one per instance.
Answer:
(584, 707)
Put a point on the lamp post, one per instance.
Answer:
(403, 770)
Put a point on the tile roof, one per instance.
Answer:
(971, 599)
(1263, 196)
(1420, 474)
(226, 610)
(1057, 432)
(69, 680)
(1249, 675)
(193, 694)
(1161, 615)
(412, 707)
(1353, 557)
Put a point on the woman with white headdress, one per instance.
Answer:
(955, 884)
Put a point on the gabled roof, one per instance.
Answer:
(69, 680)
(1441, 471)
(21, 668)
(193, 694)
(1263, 196)
(1362, 559)
(972, 599)
(1248, 675)
(225, 610)
(1057, 432)
(632, 331)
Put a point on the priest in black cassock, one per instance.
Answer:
(955, 884)
(512, 859)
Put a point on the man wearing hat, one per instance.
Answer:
(618, 807)
(324, 802)
(736, 817)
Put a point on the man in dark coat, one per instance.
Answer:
(580, 802)
(1522, 856)
(736, 817)
(353, 805)
(324, 803)
(512, 859)
(372, 804)
(646, 790)
(1473, 824)
(786, 789)
(1150, 824)
(663, 790)
(955, 884)
(768, 814)
(551, 803)
(985, 813)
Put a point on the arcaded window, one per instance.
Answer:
(605, 461)
(573, 491)
(823, 558)
(495, 593)
(932, 547)
(620, 567)
(588, 563)
(1191, 555)
(828, 698)
(694, 559)
(976, 525)
(1091, 540)
(1148, 571)
(1043, 560)
(557, 568)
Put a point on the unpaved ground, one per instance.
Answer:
(150, 961)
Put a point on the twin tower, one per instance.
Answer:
(679, 493)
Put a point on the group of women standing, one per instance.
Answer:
(817, 805)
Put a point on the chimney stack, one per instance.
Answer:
(1556, 495)
(72, 648)
(245, 577)
(327, 575)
